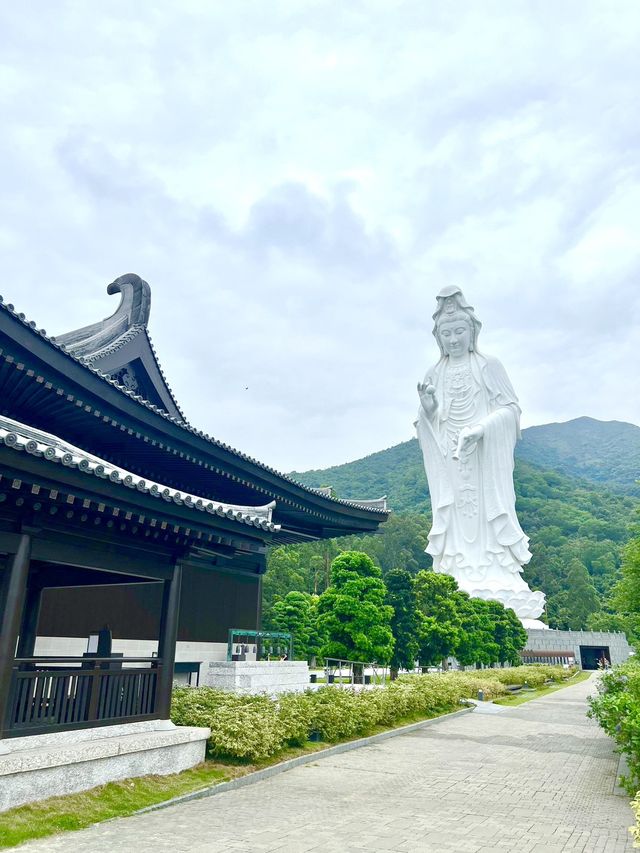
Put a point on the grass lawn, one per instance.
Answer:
(527, 695)
(76, 811)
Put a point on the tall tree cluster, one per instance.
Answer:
(623, 605)
(398, 620)
(474, 631)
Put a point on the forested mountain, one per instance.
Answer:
(604, 453)
(576, 498)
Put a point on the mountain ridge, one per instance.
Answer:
(603, 453)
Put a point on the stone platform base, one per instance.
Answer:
(34, 768)
(272, 677)
(534, 625)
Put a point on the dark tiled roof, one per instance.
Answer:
(182, 423)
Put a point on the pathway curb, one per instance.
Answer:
(284, 766)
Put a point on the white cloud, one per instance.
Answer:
(297, 180)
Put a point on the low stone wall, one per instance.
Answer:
(40, 766)
(270, 677)
(551, 640)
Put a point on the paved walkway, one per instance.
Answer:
(537, 778)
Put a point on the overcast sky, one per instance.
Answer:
(297, 180)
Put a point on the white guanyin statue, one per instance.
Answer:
(468, 424)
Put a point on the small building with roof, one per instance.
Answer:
(124, 531)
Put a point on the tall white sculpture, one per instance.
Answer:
(468, 424)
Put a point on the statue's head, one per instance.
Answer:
(454, 311)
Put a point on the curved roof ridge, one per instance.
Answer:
(183, 424)
(162, 373)
(115, 345)
(101, 340)
(375, 503)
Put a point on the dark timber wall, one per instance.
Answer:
(211, 603)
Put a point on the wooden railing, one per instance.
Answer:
(54, 694)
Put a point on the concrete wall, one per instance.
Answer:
(271, 677)
(563, 641)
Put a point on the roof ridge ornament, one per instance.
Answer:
(131, 314)
(135, 299)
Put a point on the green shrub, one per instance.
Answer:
(243, 727)
(252, 728)
(617, 710)
(635, 830)
(439, 691)
(295, 715)
(337, 714)
(534, 675)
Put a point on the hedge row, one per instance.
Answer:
(617, 708)
(534, 675)
(253, 728)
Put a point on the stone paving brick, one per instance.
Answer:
(537, 778)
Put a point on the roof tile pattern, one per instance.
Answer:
(20, 437)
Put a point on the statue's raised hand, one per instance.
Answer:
(427, 394)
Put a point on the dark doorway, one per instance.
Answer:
(593, 657)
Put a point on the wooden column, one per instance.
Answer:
(11, 619)
(167, 641)
(259, 605)
(29, 628)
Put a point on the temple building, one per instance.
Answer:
(125, 532)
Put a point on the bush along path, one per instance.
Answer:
(249, 733)
(254, 728)
(616, 707)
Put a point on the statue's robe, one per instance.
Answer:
(475, 536)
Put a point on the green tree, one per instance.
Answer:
(607, 620)
(405, 623)
(509, 635)
(284, 574)
(625, 597)
(352, 611)
(488, 634)
(579, 600)
(297, 613)
(440, 624)
(469, 650)
(487, 648)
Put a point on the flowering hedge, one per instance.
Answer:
(617, 708)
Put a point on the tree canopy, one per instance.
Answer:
(352, 611)
(405, 622)
(297, 613)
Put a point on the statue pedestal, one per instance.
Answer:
(534, 624)
(511, 591)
